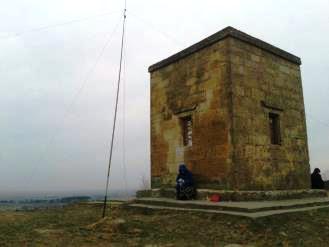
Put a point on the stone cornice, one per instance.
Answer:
(224, 33)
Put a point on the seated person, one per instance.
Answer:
(185, 189)
(316, 179)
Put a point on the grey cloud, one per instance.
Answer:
(47, 142)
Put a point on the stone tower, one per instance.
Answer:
(231, 108)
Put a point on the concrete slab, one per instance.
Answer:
(230, 195)
(244, 206)
(252, 215)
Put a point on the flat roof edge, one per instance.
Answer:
(224, 33)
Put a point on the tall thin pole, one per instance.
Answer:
(115, 112)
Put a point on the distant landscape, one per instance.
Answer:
(18, 201)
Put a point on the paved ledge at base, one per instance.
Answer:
(230, 195)
(252, 206)
(241, 214)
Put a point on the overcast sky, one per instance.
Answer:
(58, 70)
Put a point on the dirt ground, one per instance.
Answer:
(81, 225)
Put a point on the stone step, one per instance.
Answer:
(229, 195)
(252, 215)
(247, 207)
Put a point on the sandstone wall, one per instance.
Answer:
(197, 85)
(229, 89)
(258, 76)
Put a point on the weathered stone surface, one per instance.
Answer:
(229, 88)
(230, 195)
(259, 164)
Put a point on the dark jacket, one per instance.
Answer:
(316, 179)
(184, 175)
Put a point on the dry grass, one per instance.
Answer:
(81, 225)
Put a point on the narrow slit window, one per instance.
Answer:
(187, 125)
(274, 122)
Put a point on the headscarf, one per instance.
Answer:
(316, 171)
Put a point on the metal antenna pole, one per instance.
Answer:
(115, 112)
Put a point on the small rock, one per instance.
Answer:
(136, 230)
(118, 221)
(238, 245)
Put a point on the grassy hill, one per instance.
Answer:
(81, 225)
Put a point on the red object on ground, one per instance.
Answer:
(215, 198)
